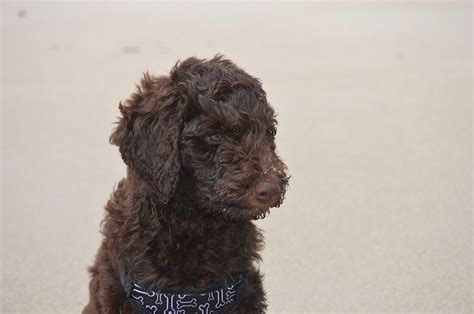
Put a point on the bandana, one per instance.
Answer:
(218, 299)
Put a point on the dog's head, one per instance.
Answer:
(206, 131)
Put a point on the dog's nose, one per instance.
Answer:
(267, 192)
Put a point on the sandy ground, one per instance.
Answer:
(374, 105)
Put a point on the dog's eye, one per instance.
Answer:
(214, 138)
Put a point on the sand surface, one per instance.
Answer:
(374, 103)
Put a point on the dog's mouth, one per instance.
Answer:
(249, 206)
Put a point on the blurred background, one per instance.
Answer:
(374, 102)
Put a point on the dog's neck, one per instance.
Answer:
(185, 232)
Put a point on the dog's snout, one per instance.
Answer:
(267, 192)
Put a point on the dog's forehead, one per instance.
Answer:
(240, 106)
(248, 102)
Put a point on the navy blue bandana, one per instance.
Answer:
(220, 299)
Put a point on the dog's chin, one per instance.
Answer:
(260, 214)
(249, 209)
(239, 213)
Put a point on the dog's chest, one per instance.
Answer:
(225, 249)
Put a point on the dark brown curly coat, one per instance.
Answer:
(199, 146)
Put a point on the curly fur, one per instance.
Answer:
(196, 143)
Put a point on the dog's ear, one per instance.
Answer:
(148, 134)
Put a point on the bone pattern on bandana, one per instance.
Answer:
(215, 301)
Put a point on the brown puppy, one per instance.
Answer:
(199, 146)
